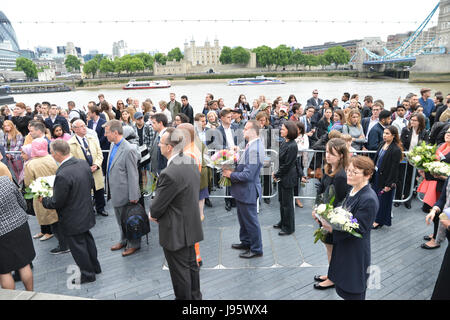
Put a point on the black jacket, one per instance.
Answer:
(72, 197)
(287, 170)
(390, 166)
(187, 110)
(406, 135)
(322, 128)
(338, 183)
(21, 124)
(175, 204)
(58, 120)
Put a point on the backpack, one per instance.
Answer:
(135, 223)
(82, 115)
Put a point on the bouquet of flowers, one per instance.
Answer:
(41, 187)
(437, 168)
(422, 154)
(339, 218)
(224, 159)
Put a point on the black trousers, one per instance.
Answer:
(105, 163)
(84, 252)
(287, 213)
(99, 198)
(441, 288)
(57, 232)
(47, 229)
(184, 273)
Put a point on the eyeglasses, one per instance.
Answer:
(353, 172)
(315, 93)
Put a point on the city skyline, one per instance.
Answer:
(163, 37)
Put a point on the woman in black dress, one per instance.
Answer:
(350, 258)
(287, 177)
(442, 288)
(387, 162)
(16, 245)
(332, 184)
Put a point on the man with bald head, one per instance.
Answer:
(87, 148)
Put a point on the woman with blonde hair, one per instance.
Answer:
(12, 140)
(353, 127)
(213, 120)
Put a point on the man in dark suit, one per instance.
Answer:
(187, 109)
(157, 161)
(175, 208)
(96, 123)
(376, 134)
(314, 101)
(54, 118)
(246, 189)
(369, 122)
(72, 201)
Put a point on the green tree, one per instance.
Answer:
(323, 61)
(161, 58)
(311, 61)
(282, 56)
(240, 55)
(27, 66)
(337, 55)
(91, 67)
(146, 59)
(106, 66)
(264, 56)
(175, 54)
(225, 55)
(72, 63)
(297, 58)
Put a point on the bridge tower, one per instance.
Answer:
(436, 67)
(373, 44)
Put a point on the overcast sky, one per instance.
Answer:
(165, 36)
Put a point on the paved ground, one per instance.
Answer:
(285, 271)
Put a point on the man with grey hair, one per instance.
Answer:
(124, 187)
(72, 201)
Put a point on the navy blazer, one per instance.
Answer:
(223, 142)
(245, 181)
(389, 169)
(365, 124)
(375, 137)
(59, 120)
(104, 143)
(287, 171)
(350, 258)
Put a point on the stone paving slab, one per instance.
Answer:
(285, 271)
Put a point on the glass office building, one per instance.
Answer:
(9, 47)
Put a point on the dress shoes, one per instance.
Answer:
(267, 200)
(83, 280)
(277, 226)
(228, 206)
(425, 246)
(318, 278)
(319, 287)
(282, 233)
(129, 252)
(427, 238)
(377, 227)
(103, 213)
(118, 247)
(240, 246)
(396, 204)
(249, 254)
(407, 205)
(208, 203)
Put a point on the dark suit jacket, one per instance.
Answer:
(221, 140)
(246, 184)
(351, 255)
(72, 197)
(406, 136)
(287, 171)
(312, 102)
(375, 137)
(104, 143)
(58, 120)
(390, 166)
(21, 124)
(175, 204)
(189, 111)
(365, 124)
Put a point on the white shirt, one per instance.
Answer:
(65, 160)
(171, 158)
(414, 140)
(302, 142)
(372, 123)
(168, 114)
(400, 123)
(229, 136)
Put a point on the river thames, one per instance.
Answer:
(386, 89)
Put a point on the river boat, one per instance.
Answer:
(132, 85)
(258, 80)
(36, 88)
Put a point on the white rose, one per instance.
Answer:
(321, 209)
(417, 158)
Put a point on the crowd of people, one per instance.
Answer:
(359, 162)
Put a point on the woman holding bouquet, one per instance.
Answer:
(12, 140)
(287, 177)
(387, 161)
(332, 184)
(411, 136)
(432, 187)
(350, 258)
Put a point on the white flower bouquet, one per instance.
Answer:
(339, 218)
(223, 159)
(41, 187)
(422, 154)
(438, 168)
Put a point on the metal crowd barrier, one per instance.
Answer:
(272, 156)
